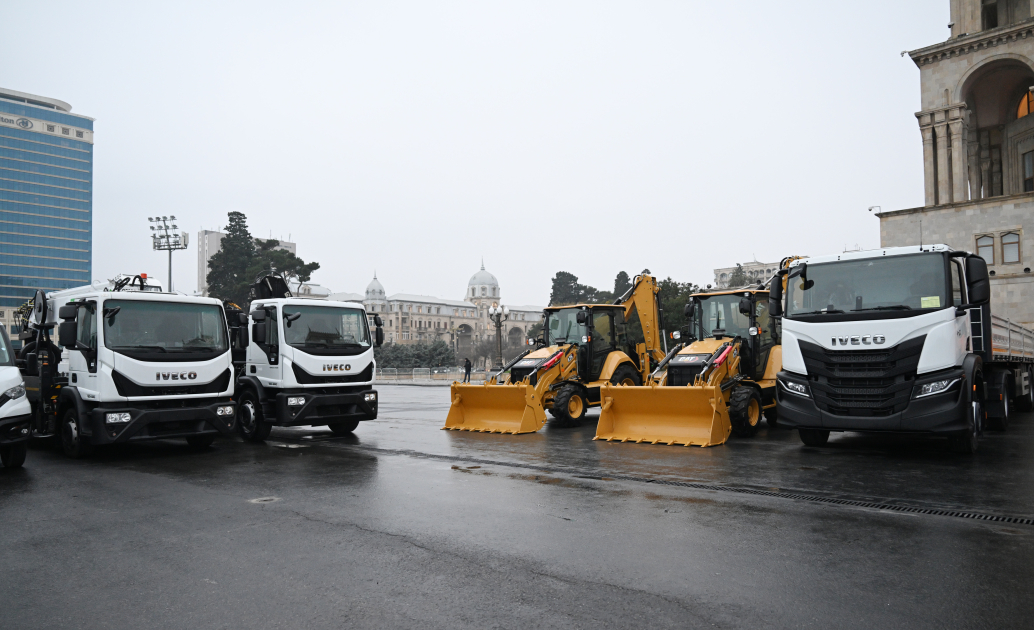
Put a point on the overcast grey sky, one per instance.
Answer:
(417, 137)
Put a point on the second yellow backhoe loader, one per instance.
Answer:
(719, 380)
(584, 348)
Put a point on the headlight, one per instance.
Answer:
(795, 388)
(116, 418)
(296, 401)
(15, 392)
(936, 387)
(372, 396)
(224, 411)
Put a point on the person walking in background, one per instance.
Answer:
(466, 370)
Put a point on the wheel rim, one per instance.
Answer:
(574, 406)
(627, 382)
(247, 416)
(754, 412)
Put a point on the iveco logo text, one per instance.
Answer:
(336, 367)
(860, 340)
(175, 376)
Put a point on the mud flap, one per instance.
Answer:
(495, 408)
(655, 414)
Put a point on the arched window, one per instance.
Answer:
(1026, 106)
(986, 248)
(1011, 248)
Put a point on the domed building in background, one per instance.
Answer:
(463, 324)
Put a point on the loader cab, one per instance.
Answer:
(731, 314)
(597, 330)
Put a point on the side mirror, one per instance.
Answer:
(259, 315)
(378, 336)
(746, 306)
(377, 321)
(775, 295)
(258, 332)
(582, 317)
(242, 336)
(242, 318)
(66, 334)
(690, 308)
(978, 281)
(288, 318)
(68, 311)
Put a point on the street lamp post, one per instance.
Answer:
(164, 240)
(498, 315)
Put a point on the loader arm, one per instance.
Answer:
(642, 299)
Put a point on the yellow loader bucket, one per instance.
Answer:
(692, 416)
(495, 409)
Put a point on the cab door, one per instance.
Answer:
(764, 341)
(602, 342)
(82, 360)
(264, 355)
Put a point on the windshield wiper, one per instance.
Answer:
(162, 348)
(892, 307)
(832, 311)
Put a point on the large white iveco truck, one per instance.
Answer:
(310, 363)
(138, 364)
(897, 340)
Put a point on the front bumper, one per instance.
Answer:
(160, 423)
(939, 413)
(15, 429)
(321, 409)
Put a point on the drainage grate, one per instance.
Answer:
(796, 496)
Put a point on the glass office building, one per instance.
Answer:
(46, 198)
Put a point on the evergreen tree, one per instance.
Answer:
(738, 277)
(228, 277)
(565, 289)
(270, 260)
(622, 283)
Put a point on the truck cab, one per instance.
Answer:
(15, 411)
(309, 363)
(137, 364)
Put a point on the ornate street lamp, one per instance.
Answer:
(498, 315)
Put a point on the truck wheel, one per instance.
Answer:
(251, 423)
(967, 441)
(772, 417)
(343, 428)
(745, 411)
(814, 437)
(1026, 403)
(13, 455)
(625, 374)
(569, 406)
(200, 442)
(73, 443)
(1002, 424)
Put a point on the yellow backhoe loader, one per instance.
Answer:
(719, 380)
(584, 348)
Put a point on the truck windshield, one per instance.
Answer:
(722, 312)
(325, 326)
(6, 353)
(163, 326)
(905, 283)
(563, 327)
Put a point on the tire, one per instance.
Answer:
(967, 441)
(73, 443)
(625, 374)
(1002, 424)
(251, 423)
(814, 437)
(1026, 403)
(569, 406)
(344, 428)
(200, 442)
(13, 455)
(745, 411)
(772, 417)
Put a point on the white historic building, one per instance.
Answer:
(413, 318)
(755, 272)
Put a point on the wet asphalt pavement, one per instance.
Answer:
(407, 526)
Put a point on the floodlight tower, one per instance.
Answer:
(163, 239)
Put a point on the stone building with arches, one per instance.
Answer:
(463, 324)
(977, 131)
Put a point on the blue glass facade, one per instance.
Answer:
(46, 200)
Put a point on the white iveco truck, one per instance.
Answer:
(138, 364)
(897, 340)
(310, 363)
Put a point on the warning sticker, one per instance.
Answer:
(930, 302)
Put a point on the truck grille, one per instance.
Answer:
(680, 376)
(518, 374)
(304, 378)
(862, 382)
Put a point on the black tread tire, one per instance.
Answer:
(344, 428)
(626, 372)
(1002, 424)
(72, 442)
(1026, 403)
(13, 455)
(561, 402)
(814, 437)
(200, 442)
(745, 406)
(967, 441)
(253, 428)
(772, 417)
